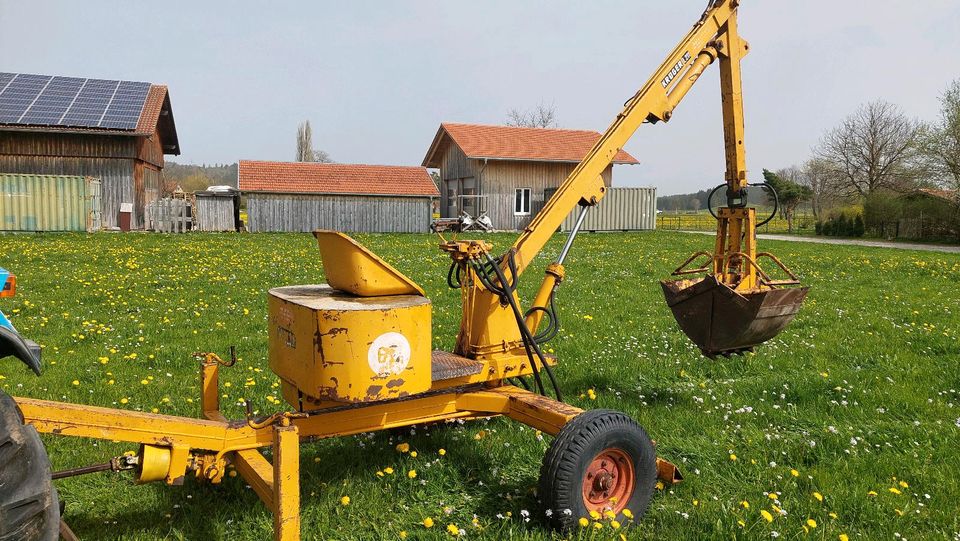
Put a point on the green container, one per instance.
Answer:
(49, 203)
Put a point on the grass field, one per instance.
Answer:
(846, 424)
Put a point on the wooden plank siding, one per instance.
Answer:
(498, 180)
(130, 168)
(347, 213)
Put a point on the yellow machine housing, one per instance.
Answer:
(329, 345)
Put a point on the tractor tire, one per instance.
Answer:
(29, 507)
(601, 461)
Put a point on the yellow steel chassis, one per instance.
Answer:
(177, 446)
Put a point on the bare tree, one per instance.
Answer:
(815, 174)
(871, 149)
(304, 142)
(543, 116)
(940, 140)
(305, 150)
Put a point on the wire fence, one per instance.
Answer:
(803, 223)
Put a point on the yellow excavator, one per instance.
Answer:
(355, 354)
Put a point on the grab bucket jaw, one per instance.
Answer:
(722, 321)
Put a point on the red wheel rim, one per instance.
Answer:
(609, 481)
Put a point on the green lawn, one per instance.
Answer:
(858, 401)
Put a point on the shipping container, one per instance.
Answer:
(49, 203)
(621, 209)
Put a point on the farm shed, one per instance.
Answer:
(116, 131)
(285, 196)
(506, 172)
(49, 203)
(217, 209)
(621, 209)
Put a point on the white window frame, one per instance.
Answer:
(525, 203)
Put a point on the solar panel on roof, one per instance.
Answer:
(42, 100)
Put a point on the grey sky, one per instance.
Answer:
(376, 78)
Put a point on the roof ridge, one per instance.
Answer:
(507, 127)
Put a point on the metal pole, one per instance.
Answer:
(573, 234)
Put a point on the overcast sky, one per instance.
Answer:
(376, 78)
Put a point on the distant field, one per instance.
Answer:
(848, 423)
(803, 222)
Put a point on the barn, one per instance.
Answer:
(114, 131)
(299, 196)
(507, 172)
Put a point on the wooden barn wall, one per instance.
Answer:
(67, 145)
(348, 213)
(150, 150)
(116, 176)
(454, 165)
(130, 168)
(214, 214)
(500, 180)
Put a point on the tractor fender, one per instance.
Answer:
(12, 344)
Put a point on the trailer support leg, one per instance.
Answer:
(286, 483)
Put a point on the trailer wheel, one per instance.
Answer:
(29, 508)
(602, 461)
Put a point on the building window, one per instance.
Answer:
(521, 205)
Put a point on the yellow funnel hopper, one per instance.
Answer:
(352, 268)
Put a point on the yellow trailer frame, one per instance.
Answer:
(174, 447)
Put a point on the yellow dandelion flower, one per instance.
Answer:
(597, 526)
(388, 470)
(895, 490)
(584, 522)
(741, 523)
(480, 435)
(843, 537)
(614, 524)
(766, 515)
(818, 496)
(773, 496)
(123, 400)
(872, 493)
(733, 457)
(627, 513)
(452, 528)
(75, 382)
(745, 504)
(412, 473)
(428, 522)
(413, 454)
(403, 447)
(442, 452)
(609, 514)
(795, 473)
(659, 485)
(345, 500)
(812, 523)
(403, 534)
(833, 515)
(595, 515)
(904, 484)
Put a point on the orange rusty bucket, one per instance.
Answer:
(722, 321)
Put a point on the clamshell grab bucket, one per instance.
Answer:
(721, 321)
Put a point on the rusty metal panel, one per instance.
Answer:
(622, 209)
(49, 203)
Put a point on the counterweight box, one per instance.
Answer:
(328, 345)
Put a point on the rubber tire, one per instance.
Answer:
(29, 507)
(567, 459)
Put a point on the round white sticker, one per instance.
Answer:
(389, 354)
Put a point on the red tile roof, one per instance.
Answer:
(512, 143)
(335, 178)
